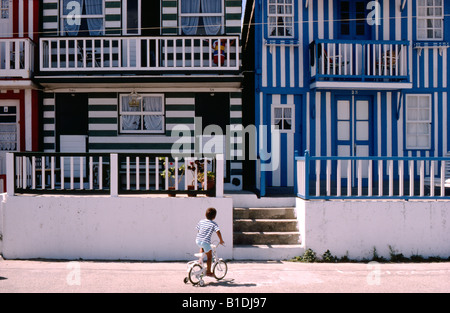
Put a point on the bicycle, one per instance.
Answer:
(196, 269)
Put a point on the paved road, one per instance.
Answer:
(242, 277)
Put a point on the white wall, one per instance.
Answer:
(2, 198)
(356, 227)
(109, 228)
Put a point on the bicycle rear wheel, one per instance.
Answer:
(195, 274)
(220, 269)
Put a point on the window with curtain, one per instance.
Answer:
(145, 117)
(280, 18)
(201, 17)
(430, 19)
(418, 121)
(4, 9)
(283, 117)
(82, 18)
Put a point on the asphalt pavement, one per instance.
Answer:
(38, 276)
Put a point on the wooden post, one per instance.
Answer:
(114, 183)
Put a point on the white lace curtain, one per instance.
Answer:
(212, 24)
(130, 122)
(153, 122)
(149, 112)
(72, 22)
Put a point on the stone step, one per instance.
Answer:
(266, 238)
(264, 213)
(265, 225)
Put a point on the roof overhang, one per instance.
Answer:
(176, 83)
(18, 84)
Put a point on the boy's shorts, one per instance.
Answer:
(204, 245)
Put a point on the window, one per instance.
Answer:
(144, 116)
(201, 17)
(4, 9)
(283, 117)
(430, 19)
(82, 18)
(418, 121)
(281, 18)
(8, 127)
(131, 17)
(352, 23)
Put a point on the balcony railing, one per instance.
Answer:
(16, 58)
(114, 174)
(373, 177)
(109, 54)
(362, 61)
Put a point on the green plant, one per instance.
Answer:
(376, 257)
(171, 171)
(209, 175)
(396, 257)
(309, 256)
(327, 257)
(197, 168)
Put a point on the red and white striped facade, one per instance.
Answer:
(19, 95)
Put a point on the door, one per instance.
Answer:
(352, 20)
(72, 132)
(71, 122)
(354, 132)
(9, 130)
(212, 113)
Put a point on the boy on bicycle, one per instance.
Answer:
(206, 228)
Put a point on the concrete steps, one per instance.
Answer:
(266, 233)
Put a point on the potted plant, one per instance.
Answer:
(210, 180)
(198, 169)
(171, 174)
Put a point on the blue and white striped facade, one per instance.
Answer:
(285, 75)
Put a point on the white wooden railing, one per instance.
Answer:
(372, 177)
(114, 174)
(360, 60)
(16, 57)
(68, 54)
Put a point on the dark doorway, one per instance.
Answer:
(214, 109)
(151, 19)
(71, 122)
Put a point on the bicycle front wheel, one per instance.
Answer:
(220, 269)
(195, 274)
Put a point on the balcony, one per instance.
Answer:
(16, 58)
(388, 178)
(113, 174)
(154, 55)
(343, 64)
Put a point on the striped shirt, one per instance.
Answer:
(205, 230)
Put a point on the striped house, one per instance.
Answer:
(349, 78)
(135, 76)
(18, 92)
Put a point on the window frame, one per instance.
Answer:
(201, 15)
(125, 18)
(277, 15)
(5, 11)
(62, 17)
(292, 118)
(428, 121)
(428, 17)
(142, 114)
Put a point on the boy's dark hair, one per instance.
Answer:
(211, 213)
